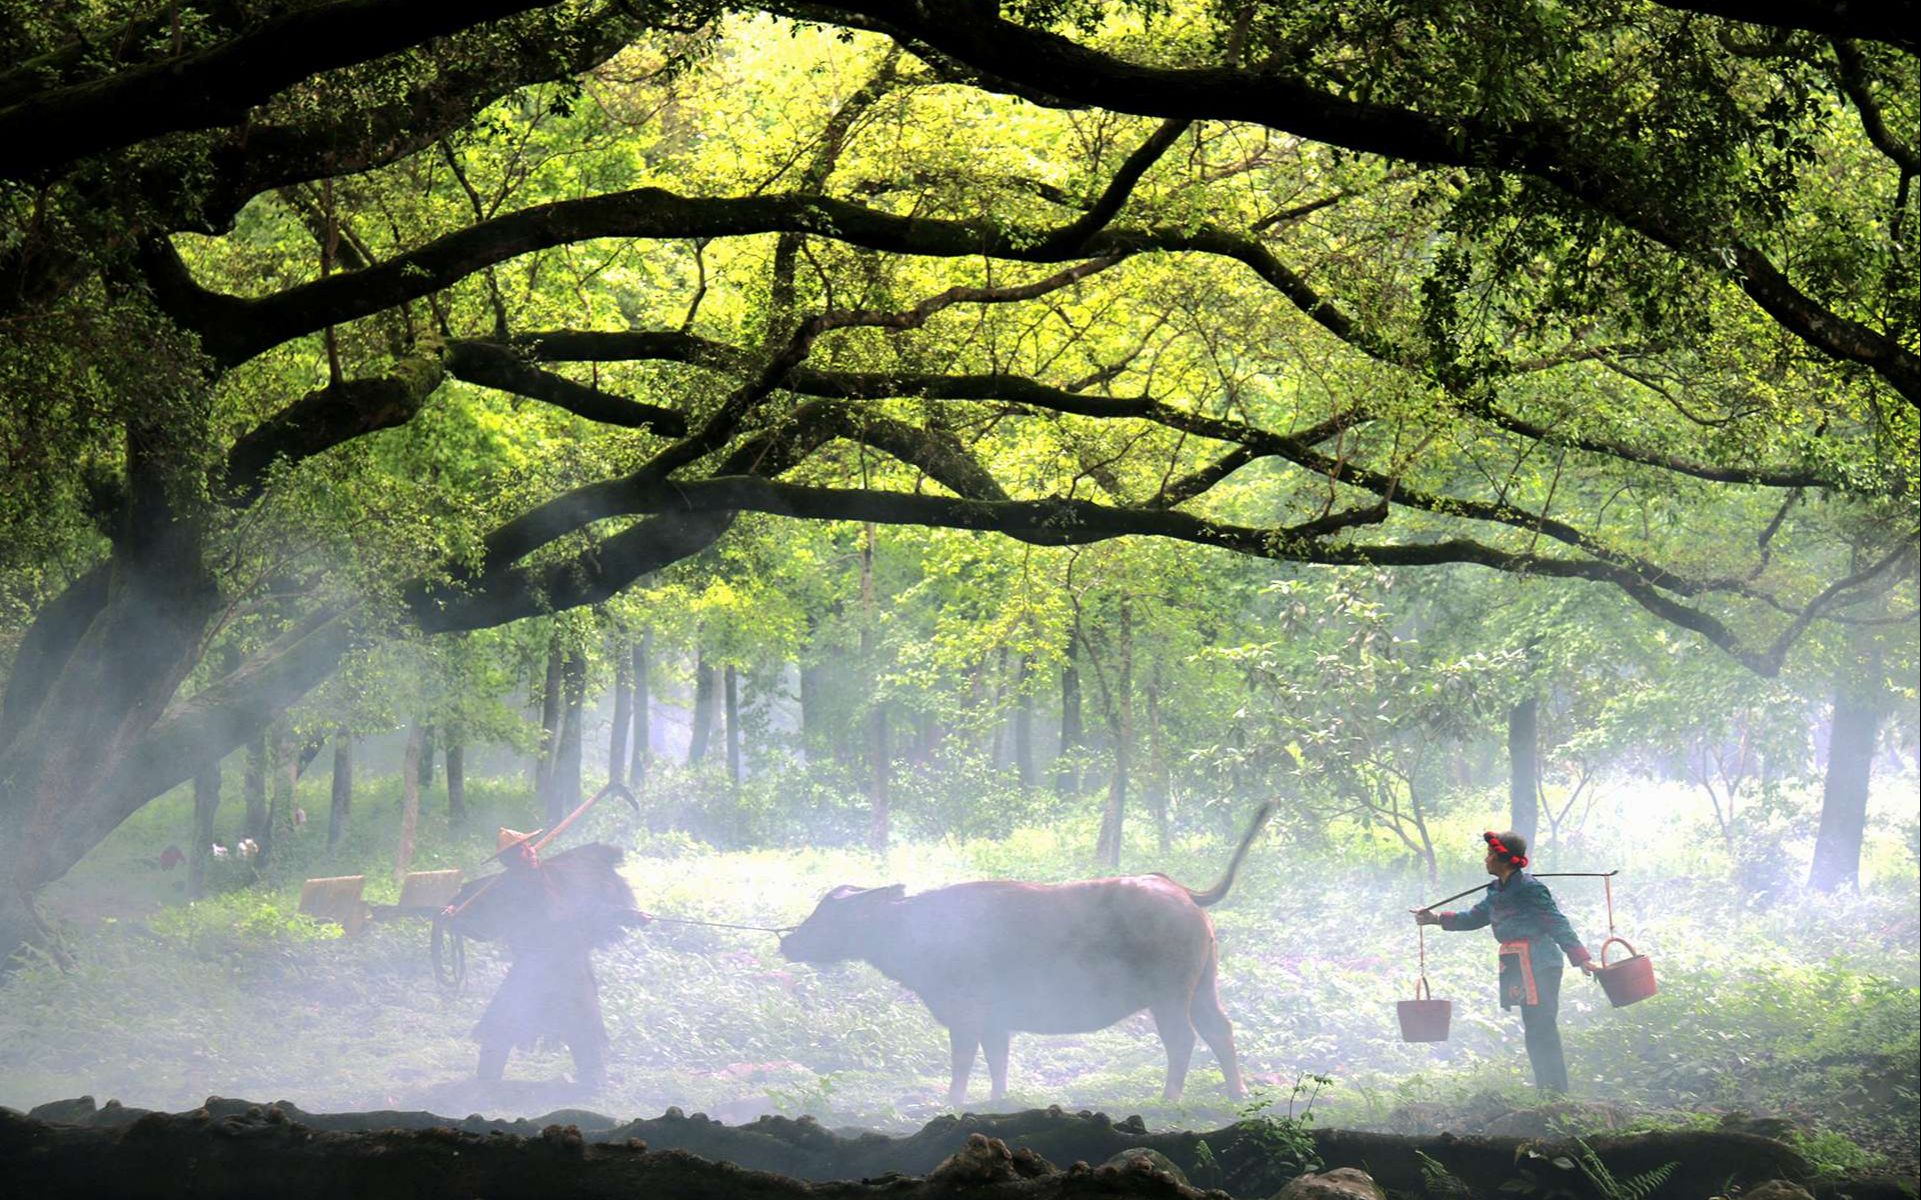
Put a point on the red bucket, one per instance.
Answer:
(1424, 1019)
(1626, 981)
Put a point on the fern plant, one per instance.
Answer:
(1601, 1181)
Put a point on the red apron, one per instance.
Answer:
(1517, 976)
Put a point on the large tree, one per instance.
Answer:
(1617, 293)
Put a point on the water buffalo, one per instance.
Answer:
(993, 957)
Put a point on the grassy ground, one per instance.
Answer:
(1776, 1002)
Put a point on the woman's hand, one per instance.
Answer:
(1425, 916)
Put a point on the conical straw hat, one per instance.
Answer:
(507, 839)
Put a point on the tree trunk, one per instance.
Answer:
(1157, 783)
(732, 689)
(253, 790)
(811, 732)
(456, 779)
(997, 705)
(284, 816)
(343, 789)
(705, 690)
(1844, 791)
(564, 784)
(1120, 722)
(1066, 774)
(425, 771)
(410, 774)
(206, 802)
(623, 715)
(879, 759)
(879, 780)
(102, 662)
(1524, 767)
(550, 717)
(1024, 724)
(643, 740)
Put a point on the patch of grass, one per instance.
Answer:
(1807, 1008)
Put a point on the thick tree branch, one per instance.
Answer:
(1890, 21)
(490, 364)
(326, 418)
(57, 628)
(1853, 74)
(216, 86)
(1544, 149)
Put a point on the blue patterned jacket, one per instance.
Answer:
(1523, 910)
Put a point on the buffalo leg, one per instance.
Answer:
(1211, 1020)
(493, 1060)
(1177, 1033)
(994, 1046)
(964, 1040)
(590, 1068)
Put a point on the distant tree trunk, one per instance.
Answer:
(564, 791)
(1066, 776)
(623, 715)
(206, 802)
(732, 689)
(879, 758)
(1120, 719)
(456, 778)
(343, 788)
(1844, 791)
(1157, 783)
(643, 741)
(812, 734)
(410, 773)
(706, 685)
(997, 747)
(879, 780)
(1524, 767)
(281, 808)
(550, 712)
(425, 772)
(1024, 723)
(253, 790)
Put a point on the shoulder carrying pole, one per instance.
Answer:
(1547, 875)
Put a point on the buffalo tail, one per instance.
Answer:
(1218, 892)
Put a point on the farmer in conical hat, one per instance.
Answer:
(516, 849)
(1533, 934)
(551, 913)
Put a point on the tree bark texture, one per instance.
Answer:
(253, 790)
(341, 809)
(456, 779)
(563, 793)
(1066, 773)
(206, 802)
(425, 772)
(879, 739)
(643, 742)
(86, 689)
(550, 718)
(1524, 767)
(409, 799)
(731, 688)
(1844, 790)
(705, 691)
(880, 780)
(1024, 724)
(623, 715)
(1119, 702)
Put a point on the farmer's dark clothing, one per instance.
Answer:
(1533, 935)
(1542, 1034)
(551, 916)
